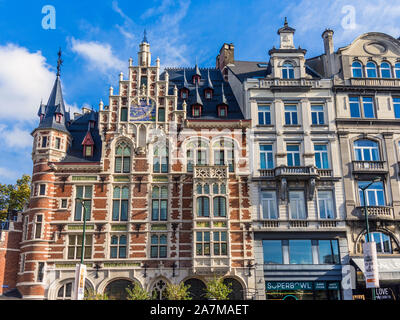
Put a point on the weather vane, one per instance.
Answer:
(59, 62)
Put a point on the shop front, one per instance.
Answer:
(302, 290)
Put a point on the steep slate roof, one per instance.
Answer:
(79, 129)
(209, 109)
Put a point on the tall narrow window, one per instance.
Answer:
(224, 154)
(219, 207)
(371, 70)
(203, 243)
(122, 158)
(120, 204)
(325, 205)
(196, 154)
(42, 190)
(293, 155)
(357, 69)
(368, 107)
(158, 248)
(75, 246)
(317, 115)
(161, 114)
(124, 114)
(321, 156)
(266, 156)
(25, 230)
(355, 111)
(297, 205)
(160, 159)
(203, 207)
(58, 143)
(291, 115)
(366, 150)
(84, 193)
(159, 203)
(397, 70)
(22, 264)
(269, 205)
(220, 243)
(40, 272)
(287, 71)
(118, 247)
(38, 226)
(264, 114)
(396, 107)
(386, 70)
(44, 142)
(375, 194)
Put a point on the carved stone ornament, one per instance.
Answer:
(311, 189)
(283, 189)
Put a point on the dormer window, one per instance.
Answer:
(88, 145)
(58, 117)
(184, 93)
(208, 93)
(88, 151)
(287, 71)
(196, 111)
(222, 111)
(196, 79)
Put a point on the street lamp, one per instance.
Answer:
(376, 179)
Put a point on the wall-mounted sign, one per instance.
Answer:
(371, 265)
(301, 285)
(384, 294)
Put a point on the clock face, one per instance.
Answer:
(143, 111)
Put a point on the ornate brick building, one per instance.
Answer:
(163, 174)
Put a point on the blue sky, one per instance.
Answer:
(98, 38)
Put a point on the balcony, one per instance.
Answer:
(210, 172)
(375, 212)
(370, 167)
(205, 265)
(289, 84)
(374, 82)
(295, 172)
(283, 224)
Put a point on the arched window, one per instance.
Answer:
(287, 71)
(159, 291)
(357, 70)
(397, 70)
(203, 207)
(116, 290)
(374, 194)
(384, 242)
(122, 158)
(371, 70)
(386, 70)
(219, 209)
(366, 150)
(66, 291)
(120, 204)
(160, 159)
(196, 289)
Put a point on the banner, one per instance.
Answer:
(371, 265)
(80, 277)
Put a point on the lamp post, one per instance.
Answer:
(80, 273)
(376, 179)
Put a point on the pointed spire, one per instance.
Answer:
(197, 70)
(145, 36)
(209, 83)
(286, 23)
(185, 83)
(59, 63)
(198, 98)
(42, 109)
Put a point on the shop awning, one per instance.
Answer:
(389, 268)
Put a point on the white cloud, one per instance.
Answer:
(25, 79)
(10, 175)
(98, 55)
(16, 137)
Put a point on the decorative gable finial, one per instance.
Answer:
(59, 63)
(286, 23)
(145, 36)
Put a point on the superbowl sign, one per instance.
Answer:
(371, 265)
(80, 277)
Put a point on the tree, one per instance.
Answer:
(137, 293)
(14, 197)
(92, 295)
(178, 292)
(217, 290)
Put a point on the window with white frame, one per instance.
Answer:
(293, 155)
(196, 154)
(58, 143)
(371, 70)
(287, 71)
(84, 193)
(64, 203)
(386, 70)
(75, 246)
(317, 115)
(65, 292)
(203, 206)
(160, 159)
(291, 115)
(122, 158)
(38, 226)
(397, 70)
(118, 246)
(269, 205)
(266, 156)
(224, 154)
(203, 243)
(357, 69)
(375, 194)
(362, 107)
(42, 189)
(264, 114)
(297, 205)
(321, 156)
(383, 242)
(219, 206)
(159, 203)
(325, 205)
(220, 243)
(366, 150)
(120, 204)
(158, 248)
(396, 107)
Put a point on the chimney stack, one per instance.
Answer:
(226, 56)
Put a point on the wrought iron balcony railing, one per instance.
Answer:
(210, 172)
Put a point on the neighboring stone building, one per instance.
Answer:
(366, 86)
(163, 173)
(296, 186)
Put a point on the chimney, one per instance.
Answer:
(329, 52)
(85, 110)
(226, 56)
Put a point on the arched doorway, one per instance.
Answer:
(116, 290)
(66, 290)
(196, 289)
(237, 289)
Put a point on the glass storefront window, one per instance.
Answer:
(300, 252)
(328, 252)
(272, 251)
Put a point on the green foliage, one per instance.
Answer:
(14, 197)
(178, 292)
(137, 293)
(92, 295)
(217, 290)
